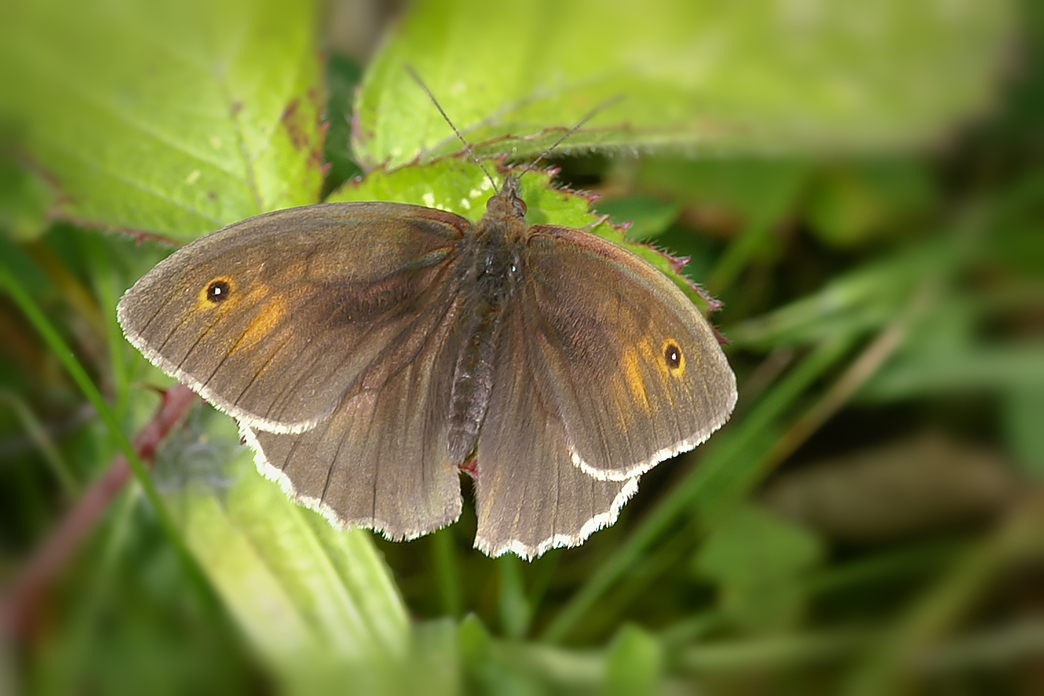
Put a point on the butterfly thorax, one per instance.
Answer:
(492, 271)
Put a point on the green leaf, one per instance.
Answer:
(476, 645)
(981, 368)
(452, 184)
(751, 77)
(493, 666)
(634, 664)
(649, 217)
(483, 661)
(757, 560)
(850, 205)
(168, 118)
(752, 546)
(851, 303)
(757, 191)
(514, 607)
(313, 600)
(1023, 413)
(435, 660)
(25, 201)
(461, 187)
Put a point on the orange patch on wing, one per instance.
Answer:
(633, 375)
(273, 310)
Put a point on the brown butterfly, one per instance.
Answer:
(370, 351)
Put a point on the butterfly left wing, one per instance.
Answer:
(636, 372)
(273, 318)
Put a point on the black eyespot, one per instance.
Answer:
(218, 291)
(672, 355)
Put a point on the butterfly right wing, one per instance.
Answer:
(307, 299)
(637, 372)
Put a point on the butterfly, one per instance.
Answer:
(370, 351)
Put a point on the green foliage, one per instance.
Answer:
(634, 664)
(758, 562)
(852, 206)
(24, 202)
(872, 289)
(753, 76)
(1024, 408)
(170, 119)
(647, 217)
(302, 592)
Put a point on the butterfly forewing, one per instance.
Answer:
(272, 319)
(635, 370)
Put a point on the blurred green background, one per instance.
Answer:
(861, 184)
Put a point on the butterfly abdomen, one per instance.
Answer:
(489, 266)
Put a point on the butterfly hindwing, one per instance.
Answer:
(529, 495)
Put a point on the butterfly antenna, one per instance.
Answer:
(467, 145)
(594, 112)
